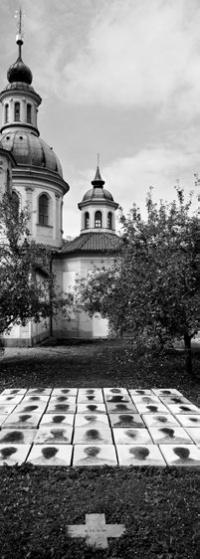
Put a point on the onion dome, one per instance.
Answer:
(19, 72)
(97, 192)
(29, 149)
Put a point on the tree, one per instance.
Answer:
(152, 291)
(27, 286)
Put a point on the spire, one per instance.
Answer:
(19, 37)
(98, 181)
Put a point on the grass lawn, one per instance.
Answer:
(159, 506)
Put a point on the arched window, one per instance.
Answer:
(109, 220)
(17, 111)
(6, 112)
(87, 220)
(28, 112)
(15, 204)
(98, 219)
(43, 209)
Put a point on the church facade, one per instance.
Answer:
(32, 171)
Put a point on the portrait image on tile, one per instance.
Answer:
(92, 436)
(22, 421)
(159, 420)
(50, 455)
(169, 435)
(54, 435)
(60, 419)
(91, 408)
(121, 407)
(91, 455)
(132, 436)
(91, 420)
(139, 455)
(126, 420)
(12, 454)
(181, 455)
(17, 436)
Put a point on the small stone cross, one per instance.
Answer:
(96, 531)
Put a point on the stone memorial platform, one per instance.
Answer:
(93, 427)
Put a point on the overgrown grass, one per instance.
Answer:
(158, 506)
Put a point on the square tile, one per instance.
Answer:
(13, 391)
(91, 421)
(30, 407)
(12, 454)
(174, 400)
(131, 436)
(166, 392)
(91, 455)
(151, 408)
(54, 435)
(39, 391)
(189, 420)
(22, 421)
(145, 400)
(64, 392)
(185, 409)
(194, 433)
(169, 435)
(181, 455)
(159, 420)
(61, 409)
(115, 392)
(121, 408)
(118, 398)
(35, 399)
(62, 399)
(139, 455)
(54, 420)
(92, 436)
(50, 455)
(140, 392)
(6, 399)
(17, 436)
(91, 408)
(90, 399)
(90, 392)
(6, 409)
(126, 420)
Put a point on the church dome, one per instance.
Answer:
(19, 72)
(29, 149)
(97, 193)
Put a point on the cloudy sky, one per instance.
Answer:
(117, 77)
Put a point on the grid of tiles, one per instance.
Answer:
(93, 426)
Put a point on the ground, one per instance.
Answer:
(158, 506)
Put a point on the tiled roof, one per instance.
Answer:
(92, 242)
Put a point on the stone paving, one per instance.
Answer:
(93, 426)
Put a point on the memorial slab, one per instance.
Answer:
(95, 531)
(159, 420)
(151, 408)
(10, 399)
(14, 391)
(132, 436)
(93, 455)
(189, 420)
(12, 454)
(63, 399)
(117, 398)
(140, 392)
(64, 391)
(95, 421)
(17, 436)
(123, 421)
(174, 400)
(22, 421)
(34, 398)
(185, 409)
(169, 435)
(91, 408)
(90, 391)
(181, 455)
(54, 435)
(6, 409)
(121, 408)
(115, 391)
(50, 455)
(59, 408)
(87, 398)
(39, 391)
(194, 433)
(140, 455)
(166, 392)
(61, 420)
(29, 407)
(91, 435)
(145, 399)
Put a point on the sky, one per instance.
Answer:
(120, 78)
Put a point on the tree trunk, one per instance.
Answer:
(188, 354)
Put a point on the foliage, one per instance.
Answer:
(151, 292)
(27, 287)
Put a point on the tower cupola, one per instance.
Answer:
(98, 208)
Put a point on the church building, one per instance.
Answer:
(32, 171)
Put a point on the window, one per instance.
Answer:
(109, 225)
(6, 112)
(98, 219)
(15, 204)
(87, 220)
(28, 114)
(17, 111)
(43, 209)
